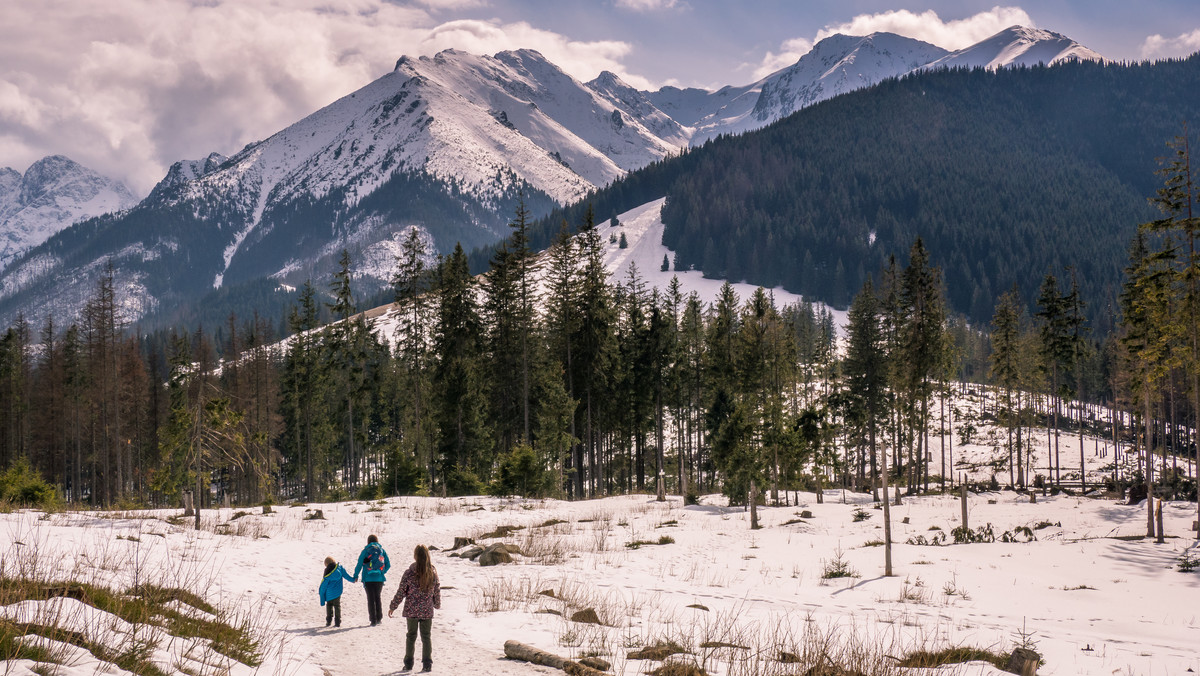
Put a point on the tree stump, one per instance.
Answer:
(1024, 661)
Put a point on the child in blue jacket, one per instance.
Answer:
(331, 591)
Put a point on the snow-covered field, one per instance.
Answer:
(1094, 603)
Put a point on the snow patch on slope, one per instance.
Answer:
(643, 230)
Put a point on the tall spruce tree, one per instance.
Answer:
(1006, 326)
(593, 346)
(562, 318)
(460, 392)
(410, 284)
(922, 344)
(1177, 200)
(866, 378)
(1145, 302)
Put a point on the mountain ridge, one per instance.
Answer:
(448, 144)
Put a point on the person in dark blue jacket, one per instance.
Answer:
(330, 590)
(373, 563)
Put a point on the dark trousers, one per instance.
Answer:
(374, 601)
(424, 626)
(333, 610)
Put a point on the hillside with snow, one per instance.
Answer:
(1072, 577)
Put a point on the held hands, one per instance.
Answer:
(391, 613)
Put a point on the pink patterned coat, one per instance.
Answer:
(418, 604)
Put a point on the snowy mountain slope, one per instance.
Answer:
(707, 112)
(189, 170)
(638, 105)
(644, 252)
(52, 194)
(842, 63)
(836, 65)
(643, 230)
(445, 143)
(1017, 46)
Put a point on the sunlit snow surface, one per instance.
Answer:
(1093, 604)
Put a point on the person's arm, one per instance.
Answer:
(346, 575)
(387, 563)
(399, 597)
(437, 592)
(358, 565)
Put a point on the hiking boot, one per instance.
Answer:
(336, 624)
(327, 621)
(408, 664)
(426, 666)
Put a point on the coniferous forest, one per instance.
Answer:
(543, 376)
(1006, 175)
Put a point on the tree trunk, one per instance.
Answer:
(526, 653)
(754, 505)
(887, 517)
(1149, 464)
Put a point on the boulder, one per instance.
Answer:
(495, 554)
(586, 616)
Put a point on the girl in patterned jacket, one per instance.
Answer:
(422, 593)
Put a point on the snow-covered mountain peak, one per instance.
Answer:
(838, 64)
(184, 171)
(53, 193)
(1018, 46)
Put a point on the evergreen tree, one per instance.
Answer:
(1148, 338)
(593, 345)
(866, 378)
(1176, 200)
(460, 395)
(921, 344)
(561, 325)
(305, 384)
(1005, 368)
(411, 285)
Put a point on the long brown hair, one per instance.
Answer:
(426, 574)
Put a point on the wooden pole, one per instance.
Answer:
(964, 507)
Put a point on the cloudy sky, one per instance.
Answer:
(129, 86)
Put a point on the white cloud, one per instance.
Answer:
(129, 86)
(582, 60)
(926, 26)
(929, 27)
(1159, 47)
(452, 4)
(789, 52)
(646, 5)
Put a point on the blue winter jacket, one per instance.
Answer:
(331, 584)
(372, 574)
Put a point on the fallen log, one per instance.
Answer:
(526, 653)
